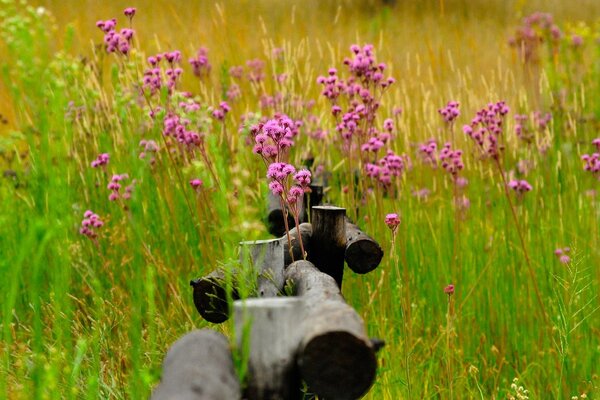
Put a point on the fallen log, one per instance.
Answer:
(210, 295)
(187, 375)
(328, 241)
(336, 358)
(363, 254)
(273, 342)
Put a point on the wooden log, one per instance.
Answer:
(328, 242)
(336, 358)
(272, 326)
(199, 366)
(266, 258)
(210, 296)
(275, 221)
(306, 234)
(363, 254)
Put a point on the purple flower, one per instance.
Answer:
(520, 186)
(449, 290)
(89, 222)
(129, 12)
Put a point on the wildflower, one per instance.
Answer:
(520, 186)
(563, 255)
(91, 221)
(450, 112)
(449, 290)
(129, 12)
(101, 160)
(392, 221)
(200, 64)
(196, 183)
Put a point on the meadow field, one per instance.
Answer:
(131, 163)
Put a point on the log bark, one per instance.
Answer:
(275, 221)
(187, 375)
(210, 296)
(328, 242)
(266, 258)
(363, 254)
(335, 356)
(272, 326)
(306, 233)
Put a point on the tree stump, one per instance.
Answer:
(187, 375)
(272, 326)
(335, 357)
(328, 242)
(363, 254)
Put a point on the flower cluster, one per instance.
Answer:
(537, 28)
(592, 163)
(101, 160)
(451, 160)
(563, 255)
(220, 113)
(428, 152)
(129, 12)
(233, 92)
(153, 79)
(274, 136)
(115, 186)
(391, 165)
(117, 42)
(256, 72)
(362, 91)
(450, 112)
(149, 146)
(280, 185)
(486, 128)
(89, 224)
(178, 128)
(520, 186)
(200, 65)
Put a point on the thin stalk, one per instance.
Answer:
(522, 240)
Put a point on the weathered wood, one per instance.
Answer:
(210, 296)
(266, 258)
(328, 242)
(363, 254)
(306, 233)
(335, 357)
(272, 326)
(311, 199)
(187, 375)
(275, 221)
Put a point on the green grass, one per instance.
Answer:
(93, 319)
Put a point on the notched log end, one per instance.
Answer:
(210, 299)
(363, 255)
(338, 365)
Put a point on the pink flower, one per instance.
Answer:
(449, 290)
(196, 183)
(392, 221)
(129, 12)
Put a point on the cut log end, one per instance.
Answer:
(338, 365)
(363, 256)
(210, 299)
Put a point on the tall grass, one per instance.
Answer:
(93, 318)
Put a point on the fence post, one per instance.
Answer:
(272, 326)
(328, 243)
